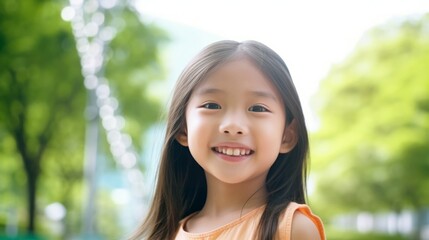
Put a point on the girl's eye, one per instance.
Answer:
(211, 106)
(258, 108)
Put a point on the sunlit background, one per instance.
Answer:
(85, 84)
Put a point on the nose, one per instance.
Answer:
(234, 124)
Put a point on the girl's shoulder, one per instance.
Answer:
(298, 222)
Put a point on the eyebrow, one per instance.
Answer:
(262, 94)
(209, 91)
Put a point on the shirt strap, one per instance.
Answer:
(285, 225)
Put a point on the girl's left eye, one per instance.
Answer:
(258, 108)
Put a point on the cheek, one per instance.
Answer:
(193, 122)
(197, 128)
(270, 135)
(198, 138)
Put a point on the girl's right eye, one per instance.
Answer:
(211, 106)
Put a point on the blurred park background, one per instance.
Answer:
(84, 86)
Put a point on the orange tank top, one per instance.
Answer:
(245, 227)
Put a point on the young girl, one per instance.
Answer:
(233, 164)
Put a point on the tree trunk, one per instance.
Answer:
(32, 178)
(32, 170)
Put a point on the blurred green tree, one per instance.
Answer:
(42, 98)
(372, 149)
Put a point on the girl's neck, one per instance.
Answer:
(224, 198)
(226, 203)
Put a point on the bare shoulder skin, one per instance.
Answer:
(303, 228)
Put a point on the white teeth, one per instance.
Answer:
(233, 151)
(236, 152)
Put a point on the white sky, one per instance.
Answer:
(310, 35)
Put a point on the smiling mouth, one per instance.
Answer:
(233, 151)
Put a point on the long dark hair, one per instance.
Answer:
(181, 185)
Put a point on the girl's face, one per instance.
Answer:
(235, 124)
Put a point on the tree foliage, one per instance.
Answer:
(42, 98)
(372, 149)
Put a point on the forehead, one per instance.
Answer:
(242, 72)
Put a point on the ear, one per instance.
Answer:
(290, 137)
(182, 138)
